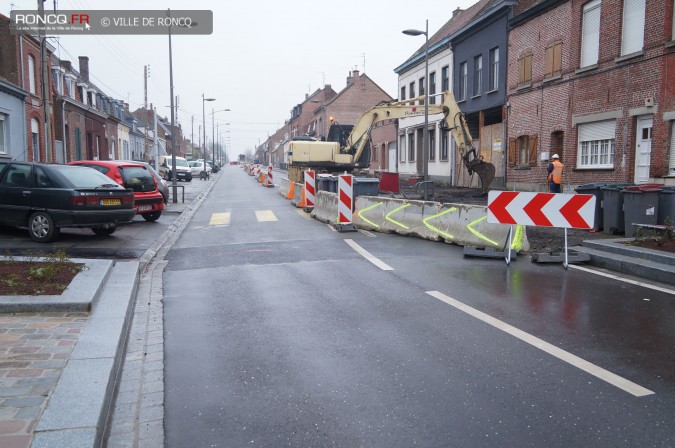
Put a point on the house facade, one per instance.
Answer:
(12, 121)
(592, 82)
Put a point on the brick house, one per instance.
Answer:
(20, 65)
(593, 82)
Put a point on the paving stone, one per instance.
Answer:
(29, 413)
(23, 441)
(24, 402)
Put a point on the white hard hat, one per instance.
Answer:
(555, 156)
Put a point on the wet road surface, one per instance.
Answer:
(277, 332)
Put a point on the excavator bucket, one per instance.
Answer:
(485, 170)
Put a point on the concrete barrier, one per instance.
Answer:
(326, 207)
(297, 194)
(284, 187)
(461, 224)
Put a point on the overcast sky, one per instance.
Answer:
(260, 61)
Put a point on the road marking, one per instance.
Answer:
(626, 280)
(332, 227)
(220, 219)
(599, 372)
(368, 256)
(265, 215)
(367, 233)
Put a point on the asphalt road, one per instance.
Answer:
(281, 331)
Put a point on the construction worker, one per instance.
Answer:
(555, 172)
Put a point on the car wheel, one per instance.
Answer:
(104, 231)
(154, 216)
(41, 227)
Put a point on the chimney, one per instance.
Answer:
(84, 67)
(456, 11)
(66, 65)
(350, 79)
(355, 74)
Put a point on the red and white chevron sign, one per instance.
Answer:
(572, 211)
(310, 188)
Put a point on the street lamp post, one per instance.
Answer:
(213, 131)
(425, 136)
(204, 127)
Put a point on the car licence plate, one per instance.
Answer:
(144, 208)
(111, 202)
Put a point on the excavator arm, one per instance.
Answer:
(453, 120)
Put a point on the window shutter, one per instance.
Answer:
(532, 150)
(512, 151)
(590, 39)
(548, 72)
(528, 68)
(521, 70)
(557, 58)
(600, 130)
(633, 31)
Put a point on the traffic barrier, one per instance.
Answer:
(299, 199)
(269, 183)
(345, 203)
(461, 224)
(310, 190)
(284, 187)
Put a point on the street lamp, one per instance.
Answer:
(204, 127)
(425, 137)
(213, 132)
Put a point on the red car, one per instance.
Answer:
(148, 200)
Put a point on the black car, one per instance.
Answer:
(44, 198)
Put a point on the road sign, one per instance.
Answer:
(570, 211)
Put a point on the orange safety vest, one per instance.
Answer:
(556, 174)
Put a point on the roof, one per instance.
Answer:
(348, 86)
(440, 38)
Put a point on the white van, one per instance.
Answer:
(183, 171)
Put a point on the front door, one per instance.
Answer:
(392, 158)
(643, 149)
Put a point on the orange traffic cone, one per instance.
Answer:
(291, 191)
(303, 201)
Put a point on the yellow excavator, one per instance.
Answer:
(336, 157)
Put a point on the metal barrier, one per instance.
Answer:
(181, 187)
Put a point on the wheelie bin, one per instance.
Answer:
(612, 208)
(667, 206)
(640, 206)
(596, 190)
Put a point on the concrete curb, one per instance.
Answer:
(79, 406)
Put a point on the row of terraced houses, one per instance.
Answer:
(84, 121)
(592, 81)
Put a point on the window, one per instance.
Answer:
(590, 33)
(523, 151)
(525, 70)
(3, 134)
(633, 30)
(432, 144)
(411, 147)
(432, 87)
(70, 85)
(477, 74)
(557, 143)
(31, 74)
(445, 78)
(401, 146)
(461, 93)
(422, 86)
(402, 93)
(58, 80)
(553, 60)
(412, 89)
(35, 140)
(596, 144)
(494, 69)
(444, 146)
(672, 32)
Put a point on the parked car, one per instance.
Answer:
(182, 168)
(149, 201)
(45, 198)
(162, 186)
(197, 167)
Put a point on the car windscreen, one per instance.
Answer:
(73, 176)
(181, 162)
(137, 178)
